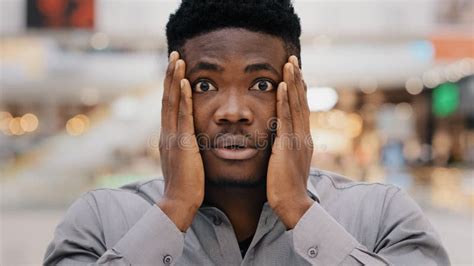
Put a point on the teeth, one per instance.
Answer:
(233, 147)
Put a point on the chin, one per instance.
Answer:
(236, 173)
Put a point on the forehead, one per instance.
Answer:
(231, 43)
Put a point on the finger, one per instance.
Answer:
(174, 56)
(301, 89)
(174, 96)
(166, 88)
(185, 114)
(299, 83)
(285, 123)
(295, 107)
(305, 100)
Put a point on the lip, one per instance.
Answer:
(235, 154)
(232, 140)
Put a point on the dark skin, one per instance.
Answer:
(225, 82)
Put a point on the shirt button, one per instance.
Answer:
(217, 220)
(313, 252)
(167, 259)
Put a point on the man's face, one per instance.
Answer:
(234, 74)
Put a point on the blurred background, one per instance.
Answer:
(391, 90)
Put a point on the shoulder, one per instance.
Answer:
(149, 190)
(364, 209)
(137, 195)
(98, 219)
(331, 185)
(110, 212)
(350, 201)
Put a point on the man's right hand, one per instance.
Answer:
(181, 161)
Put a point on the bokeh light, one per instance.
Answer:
(15, 126)
(321, 98)
(5, 118)
(29, 122)
(414, 86)
(77, 125)
(368, 85)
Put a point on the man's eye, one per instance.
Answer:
(203, 86)
(262, 85)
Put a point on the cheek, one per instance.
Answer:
(201, 112)
(264, 109)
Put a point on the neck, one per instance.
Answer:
(241, 205)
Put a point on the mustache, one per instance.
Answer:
(224, 139)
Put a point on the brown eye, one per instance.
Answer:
(203, 86)
(262, 85)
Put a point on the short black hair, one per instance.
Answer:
(196, 17)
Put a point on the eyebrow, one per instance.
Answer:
(205, 66)
(260, 66)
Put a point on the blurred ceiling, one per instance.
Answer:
(343, 43)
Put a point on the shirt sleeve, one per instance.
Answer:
(405, 238)
(79, 240)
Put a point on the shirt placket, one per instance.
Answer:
(266, 222)
(225, 235)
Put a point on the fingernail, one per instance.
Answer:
(283, 86)
(292, 71)
(173, 56)
(295, 61)
(183, 83)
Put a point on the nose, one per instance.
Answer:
(233, 110)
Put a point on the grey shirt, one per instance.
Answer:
(350, 223)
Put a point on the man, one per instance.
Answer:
(235, 151)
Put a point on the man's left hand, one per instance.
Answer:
(292, 149)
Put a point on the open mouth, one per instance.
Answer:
(235, 152)
(234, 147)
